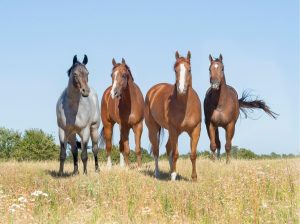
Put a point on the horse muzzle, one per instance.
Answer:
(215, 85)
(85, 92)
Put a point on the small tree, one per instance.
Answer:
(9, 142)
(37, 145)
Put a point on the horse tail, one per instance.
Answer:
(246, 104)
(161, 135)
(160, 138)
(101, 139)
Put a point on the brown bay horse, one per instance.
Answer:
(176, 108)
(222, 107)
(122, 103)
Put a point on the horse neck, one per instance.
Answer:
(181, 98)
(222, 92)
(129, 93)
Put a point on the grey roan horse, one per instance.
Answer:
(78, 112)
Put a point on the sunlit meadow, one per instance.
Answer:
(258, 191)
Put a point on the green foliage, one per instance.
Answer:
(36, 145)
(9, 142)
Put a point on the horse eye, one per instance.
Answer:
(124, 76)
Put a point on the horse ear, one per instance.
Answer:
(210, 58)
(123, 61)
(74, 59)
(221, 58)
(85, 60)
(114, 62)
(176, 55)
(189, 55)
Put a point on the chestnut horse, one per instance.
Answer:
(122, 103)
(176, 108)
(222, 107)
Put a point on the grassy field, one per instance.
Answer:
(262, 191)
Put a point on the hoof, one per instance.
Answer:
(173, 176)
(60, 173)
(75, 173)
(194, 179)
(156, 174)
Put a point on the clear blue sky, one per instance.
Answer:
(259, 41)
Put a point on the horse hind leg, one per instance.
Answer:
(95, 139)
(154, 130)
(169, 153)
(153, 133)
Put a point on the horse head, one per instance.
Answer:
(121, 76)
(78, 76)
(216, 71)
(182, 68)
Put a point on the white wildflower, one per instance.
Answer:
(38, 193)
(22, 199)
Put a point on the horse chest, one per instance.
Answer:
(218, 118)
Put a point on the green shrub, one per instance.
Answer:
(9, 142)
(36, 145)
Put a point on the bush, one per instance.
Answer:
(36, 145)
(9, 142)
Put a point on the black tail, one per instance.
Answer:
(247, 102)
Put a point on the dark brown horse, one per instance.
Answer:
(122, 103)
(176, 108)
(222, 107)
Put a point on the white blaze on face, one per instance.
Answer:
(182, 72)
(216, 65)
(112, 92)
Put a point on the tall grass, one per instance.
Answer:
(264, 191)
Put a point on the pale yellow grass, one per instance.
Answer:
(265, 191)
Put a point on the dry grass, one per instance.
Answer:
(265, 191)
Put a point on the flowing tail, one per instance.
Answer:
(101, 139)
(246, 103)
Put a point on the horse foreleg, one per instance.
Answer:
(229, 135)
(195, 134)
(74, 149)
(124, 145)
(138, 129)
(84, 134)
(63, 147)
(95, 139)
(173, 138)
(211, 130)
